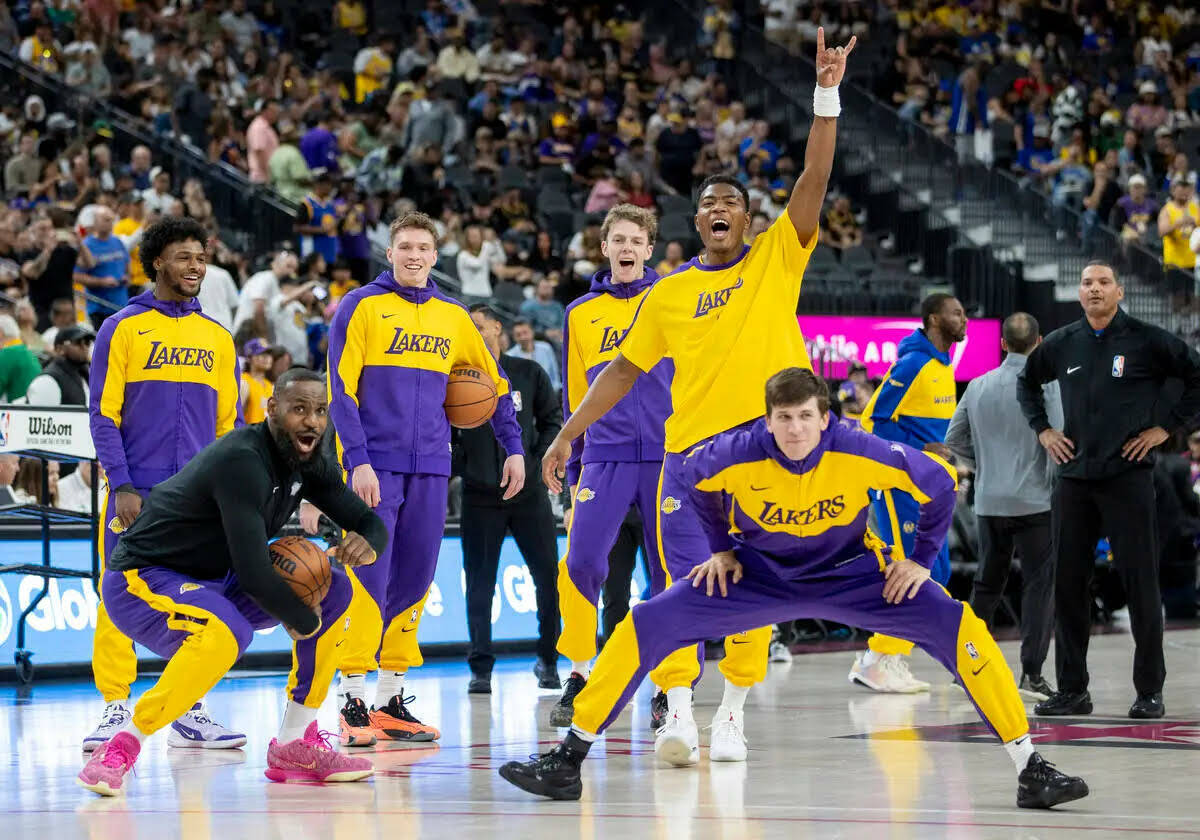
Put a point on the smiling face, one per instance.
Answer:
(412, 255)
(627, 247)
(722, 218)
(179, 270)
(298, 414)
(797, 428)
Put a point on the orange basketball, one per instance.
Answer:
(470, 397)
(304, 566)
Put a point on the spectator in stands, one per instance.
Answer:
(262, 141)
(27, 486)
(545, 258)
(678, 148)
(672, 258)
(140, 166)
(75, 490)
(606, 191)
(474, 262)
(558, 149)
(1132, 158)
(62, 315)
(9, 465)
(108, 278)
(24, 169)
(525, 346)
(841, 229)
(27, 323)
(289, 313)
(239, 24)
(416, 56)
(432, 122)
(64, 381)
(1176, 221)
(41, 49)
(1148, 112)
(50, 271)
(1100, 197)
(457, 60)
(158, 199)
(18, 365)
(259, 290)
(287, 170)
(545, 313)
(638, 158)
(218, 296)
(373, 66)
(319, 144)
(193, 109)
(1134, 211)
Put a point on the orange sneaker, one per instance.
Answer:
(354, 724)
(394, 722)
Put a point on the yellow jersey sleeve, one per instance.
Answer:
(779, 257)
(645, 344)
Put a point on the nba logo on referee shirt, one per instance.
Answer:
(1118, 366)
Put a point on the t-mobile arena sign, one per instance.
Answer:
(834, 341)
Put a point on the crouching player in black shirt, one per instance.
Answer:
(192, 580)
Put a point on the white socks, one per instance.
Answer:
(134, 731)
(870, 658)
(679, 702)
(1020, 750)
(735, 696)
(390, 684)
(296, 720)
(354, 686)
(583, 669)
(582, 735)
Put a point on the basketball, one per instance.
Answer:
(470, 397)
(304, 566)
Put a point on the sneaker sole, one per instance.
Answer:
(677, 752)
(401, 735)
(179, 742)
(726, 756)
(357, 740)
(1082, 710)
(570, 793)
(859, 679)
(277, 774)
(91, 746)
(100, 787)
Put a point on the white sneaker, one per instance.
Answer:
(197, 730)
(889, 674)
(728, 738)
(779, 652)
(116, 715)
(678, 742)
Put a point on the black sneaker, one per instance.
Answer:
(354, 724)
(547, 674)
(1148, 706)
(480, 684)
(554, 774)
(564, 710)
(1065, 703)
(658, 710)
(1041, 785)
(1035, 687)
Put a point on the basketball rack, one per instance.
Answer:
(60, 433)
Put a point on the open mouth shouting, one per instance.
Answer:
(626, 262)
(306, 443)
(720, 229)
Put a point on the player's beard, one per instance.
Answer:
(283, 442)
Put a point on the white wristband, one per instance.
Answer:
(826, 102)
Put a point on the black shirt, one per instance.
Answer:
(479, 459)
(57, 280)
(1112, 389)
(216, 514)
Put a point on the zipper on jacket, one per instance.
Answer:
(176, 465)
(416, 403)
(637, 398)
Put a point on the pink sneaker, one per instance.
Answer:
(108, 765)
(313, 759)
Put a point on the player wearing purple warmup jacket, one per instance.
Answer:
(617, 463)
(392, 345)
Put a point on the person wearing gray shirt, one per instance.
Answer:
(1013, 480)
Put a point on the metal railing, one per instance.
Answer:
(253, 218)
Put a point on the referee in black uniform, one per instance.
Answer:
(487, 518)
(1111, 369)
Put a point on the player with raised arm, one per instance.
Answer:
(727, 319)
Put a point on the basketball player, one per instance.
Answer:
(912, 405)
(256, 388)
(728, 321)
(617, 463)
(192, 580)
(164, 384)
(392, 345)
(783, 504)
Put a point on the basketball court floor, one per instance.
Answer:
(826, 760)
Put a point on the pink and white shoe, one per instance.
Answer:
(109, 763)
(313, 759)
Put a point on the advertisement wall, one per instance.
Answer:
(60, 629)
(873, 341)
